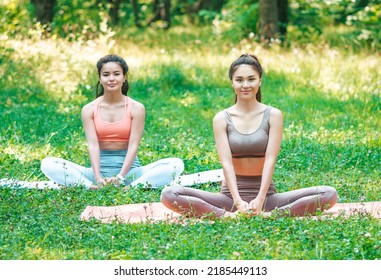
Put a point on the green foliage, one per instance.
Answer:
(307, 20)
(331, 105)
(310, 21)
(15, 17)
(361, 25)
(367, 23)
(76, 19)
(237, 20)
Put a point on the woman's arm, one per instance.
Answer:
(138, 114)
(225, 155)
(273, 146)
(92, 140)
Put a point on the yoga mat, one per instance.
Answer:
(156, 211)
(15, 184)
(210, 176)
(184, 180)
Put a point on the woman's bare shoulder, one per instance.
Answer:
(136, 104)
(88, 108)
(221, 115)
(275, 112)
(137, 108)
(219, 119)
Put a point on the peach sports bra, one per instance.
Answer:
(250, 145)
(116, 131)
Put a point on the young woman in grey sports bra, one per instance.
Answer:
(248, 137)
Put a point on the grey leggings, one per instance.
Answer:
(195, 202)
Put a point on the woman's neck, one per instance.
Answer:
(110, 98)
(247, 105)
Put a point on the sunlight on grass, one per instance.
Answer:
(25, 153)
(58, 64)
(335, 136)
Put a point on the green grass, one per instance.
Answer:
(331, 104)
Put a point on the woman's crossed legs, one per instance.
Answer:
(153, 175)
(198, 203)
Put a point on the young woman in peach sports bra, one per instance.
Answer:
(113, 124)
(248, 137)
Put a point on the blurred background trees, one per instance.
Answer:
(284, 21)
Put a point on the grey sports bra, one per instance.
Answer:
(248, 145)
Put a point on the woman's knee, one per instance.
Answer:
(170, 192)
(168, 195)
(178, 164)
(47, 163)
(330, 195)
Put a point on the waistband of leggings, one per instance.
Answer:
(113, 152)
(243, 177)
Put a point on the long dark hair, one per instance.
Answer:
(247, 59)
(121, 62)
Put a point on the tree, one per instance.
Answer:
(268, 20)
(161, 10)
(44, 10)
(283, 17)
(188, 8)
(135, 8)
(114, 6)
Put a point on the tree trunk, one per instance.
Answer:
(156, 12)
(268, 20)
(167, 12)
(44, 10)
(283, 17)
(135, 7)
(162, 11)
(212, 5)
(362, 3)
(114, 10)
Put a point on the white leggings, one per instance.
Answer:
(153, 175)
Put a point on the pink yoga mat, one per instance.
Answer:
(156, 211)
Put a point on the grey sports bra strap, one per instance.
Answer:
(228, 117)
(266, 115)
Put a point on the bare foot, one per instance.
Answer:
(230, 214)
(95, 187)
(265, 214)
(126, 188)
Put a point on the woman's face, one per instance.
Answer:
(112, 77)
(246, 82)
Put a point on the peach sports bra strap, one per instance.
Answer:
(96, 107)
(128, 104)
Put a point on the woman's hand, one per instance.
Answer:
(116, 181)
(255, 206)
(242, 205)
(99, 184)
(102, 182)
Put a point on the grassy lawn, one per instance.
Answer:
(331, 104)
